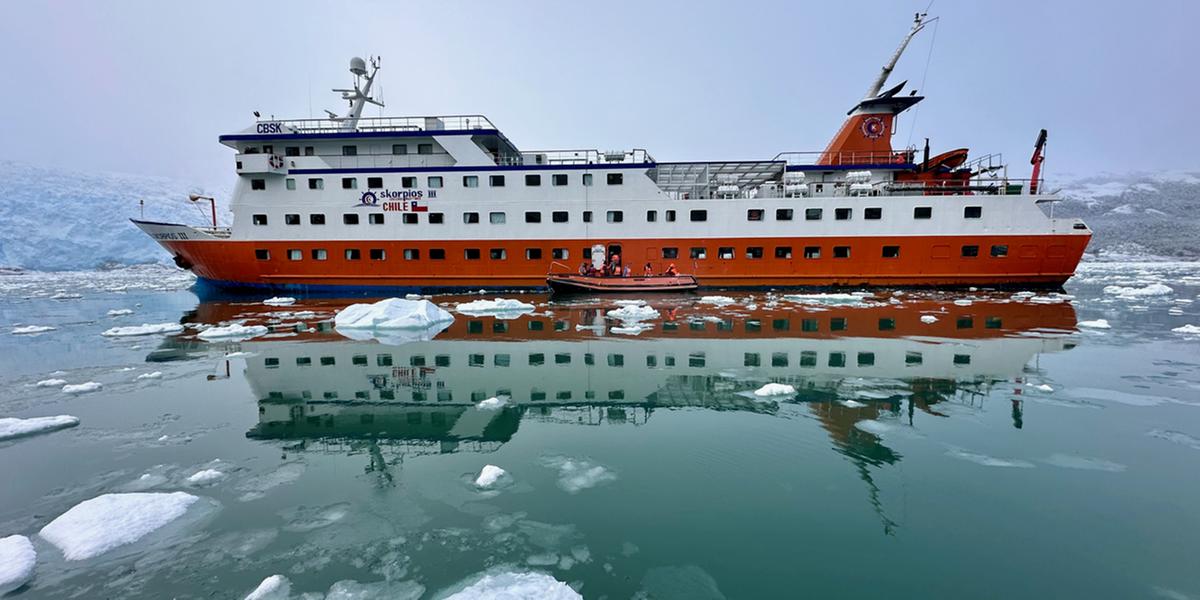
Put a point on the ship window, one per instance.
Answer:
(651, 216)
(783, 214)
(290, 183)
(436, 218)
(262, 254)
(383, 360)
(412, 254)
(258, 184)
(533, 180)
(560, 253)
(587, 216)
(964, 323)
(309, 151)
(377, 218)
(841, 251)
(670, 252)
(808, 359)
(754, 214)
(291, 219)
(754, 252)
(259, 219)
(498, 254)
(842, 214)
(670, 216)
(470, 181)
(437, 254)
(699, 253)
(295, 254)
(891, 251)
(999, 251)
(470, 217)
(812, 252)
(374, 182)
(406, 218)
(887, 324)
(251, 150)
(316, 219)
(349, 150)
(812, 214)
(559, 216)
(471, 254)
(866, 359)
(408, 182)
(496, 180)
(353, 254)
(399, 148)
(349, 183)
(970, 251)
(993, 323)
(962, 359)
(319, 254)
(350, 219)
(316, 183)
(424, 148)
(435, 182)
(615, 216)
(559, 179)
(873, 213)
(699, 215)
(972, 212)
(837, 324)
(291, 151)
(750, 359)
(587, 179)
(783, 251)
(497, 218)
(779, 359)
(533, 216)
(268, 149)
(615, 178)
(533, 254)
(922, 212)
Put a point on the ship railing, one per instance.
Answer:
(374, 124)
(977, 186)
(578, 157)
(864, 158)
(221, 232)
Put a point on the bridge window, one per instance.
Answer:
(841, 251)
(309, 151)
(812, 252)
(377, 218)
(258, 184)
(377, 254)
(349, 183)
(470, 217)
(754, 252)
(496, 180)
(970, 251)
(587, 179)
(999, 251)
(842, 214)
(353, 254)
(587, 216)
(698, 253)
(374, 182)
(699, 215)
(424, 148)
(316, 183)
(290, 183)
(412, 254)
(922, 212)
(559, 216)
(533, 180)
(670, 216)
(560, 254)
(319, 254)
(615, 178)
(497, 218)
(498, 254)
(291, 219)
(437, 218)
(350, 218)
(399, 148)
(615, 216)
(651, 216)
(349, 150)
(783, 214)
(812, 214)
(533, 254)
(754, 214)
(291, 151)
(316, 219)
(533, 216)
(408, 182)
(873, 214)
(435, 182)
(972, 212)
(783, 252)
(407, 218)
(259, 219)
(471, 254)
(670, 252)
(891, 251)
(262, 254)
(470, 181)
(559, 179)
(437, 254)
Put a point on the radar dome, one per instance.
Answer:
(358, 66)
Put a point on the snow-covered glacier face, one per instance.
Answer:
(56, 220)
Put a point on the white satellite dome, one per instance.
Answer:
(358, 66)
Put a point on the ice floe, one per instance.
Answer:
(279, 301)
(143, 329)
(1188, 329)
(928, 319)
(578, 474)
(1176, 437)
(96, 526)
(233, 332)
(988, 461)
(1154, 289)
(1095, 324)
(348, 589)
(275, 587)
(633, 313)
(630, 302)
(17, 559)
(52, 382)
(497, 307)
(82, 388)
(716, 300)
(393, 320)
(13, 428)
(492, 403)
(31, 329)
(205, 477)
(832, 298)
(489, 475)
(120, 312)
(775, 389)
(151, 375)
(257, 487)
(509, 585)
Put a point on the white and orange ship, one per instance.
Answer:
(351, 203)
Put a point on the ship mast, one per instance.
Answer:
(359, 96)
(919, 22)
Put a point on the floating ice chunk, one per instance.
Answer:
(232, 333)
(50, 383)
(633, 314)
(928, 319)
(96, 526)
(13, 428)
(835, 298)
(988, 461)
(499, 307)
(775, 389)
(17, 559)
(348, 589)
(143, 329)
(82, 388)
(489, 475)
(205, 477)
(31, 329)
(1096, 324)
(963, 302)
(632, 302)
(578, 474)
(494, 403)
(152, 375)
(1154, 289)
(1188, 329)
(508, 585)
(852, 404)
(275, 587)
(631, 329)
(279, 301)
(873, 426)
(413, 296)
(257, 487)
(120, 312)
(544, 559)
(422, 317)
(716, 300)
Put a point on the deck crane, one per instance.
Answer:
(1038, 147)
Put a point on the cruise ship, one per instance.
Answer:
(438, 203)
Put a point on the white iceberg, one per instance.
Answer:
(275, 587)
(205, 477)
(53, 382)
(120, 312)
(1096, 324)
(499, 307)
(233, 333)
(420, 317)
(633, 313)
(716, 300)
(928, 319)
(30, 329)
(14, 428)
(1188, 329)
(152, 375)
(1154, 289)
(279, 301)
(775, 389)
(491, 404)
(489, 475)
(17, 559)
(143, 329)
(508, 585)
(105, 522)
(82, 388)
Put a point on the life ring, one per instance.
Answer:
(873, 127)
(275, 161)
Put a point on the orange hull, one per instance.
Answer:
(923, 261)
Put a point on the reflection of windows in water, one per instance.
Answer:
(696, 359)
(275, 395)
(670, 326)
(616, 360)
(589, 395)
(303, 361)
(271, 363)
(808, 358)
(445, 395)
(383, 360)
(413, 418)
(537, 325)
(438, 419)
(887, 324)
(499, 327)
(379, 381)
(837, 324)
(781, 324)
(696, 325)
(808, 325)
(362, 395)
(753, 325)
(866, 359)
(589, 358)
(504, 392)
(330, 395)
(537, 395)
(651, 361)
(616, 395)
(964, 323)
(913, 358)
(501, 360)
(779, 359)
(837, 359)
(751, 359)
(442, 360)
(562, 358)
(417, 360)
(387, 394)
(993, 323)
(725, 325)
(359, 360)
(561, 325)
(475, 360)
(478, 395)
(669, 360)
(962, 359)
(537, 359)
(563, 395)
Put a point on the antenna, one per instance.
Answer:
(919, 23)
(360, 95)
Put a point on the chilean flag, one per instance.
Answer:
(417, 207)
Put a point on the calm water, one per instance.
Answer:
(999, 451)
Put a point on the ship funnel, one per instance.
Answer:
(358, 66)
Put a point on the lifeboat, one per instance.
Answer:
(567, 283)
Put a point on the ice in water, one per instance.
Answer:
(17, 560)
(96, 526)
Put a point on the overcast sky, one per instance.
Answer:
(146, 87)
